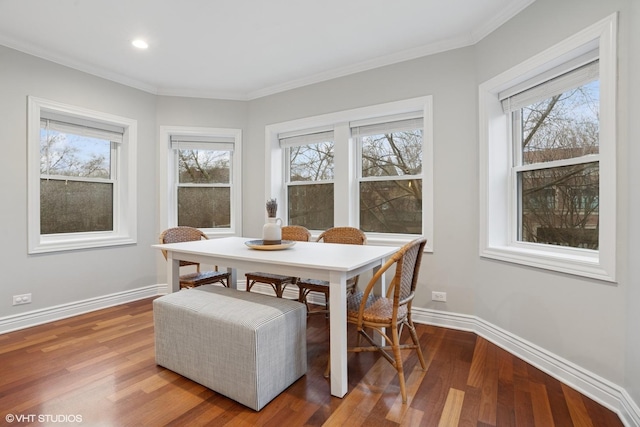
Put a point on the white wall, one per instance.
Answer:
(449, 77)
(61, 278)
(631, 104)
(578, 319)
(196, 112)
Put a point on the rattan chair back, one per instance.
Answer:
(402, 288)
(348, 235)
(190, 234)
(181, 234)
(296, 232)
(345, 235)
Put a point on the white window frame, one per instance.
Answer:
(346, 190)
(498, 209)
(169, 180)
(124, 202)
(383, 127)
(297, 139)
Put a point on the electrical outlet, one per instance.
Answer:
(22, 299)
(439, 296)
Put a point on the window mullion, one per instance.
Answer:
(344, 209)
(590, 158)
(205, 185)
(390, 178)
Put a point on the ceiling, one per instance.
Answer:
(242, 49)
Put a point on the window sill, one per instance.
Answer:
(584, 265)
(58, 245)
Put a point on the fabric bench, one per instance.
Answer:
(247, 346)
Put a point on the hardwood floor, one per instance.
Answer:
(99, 368)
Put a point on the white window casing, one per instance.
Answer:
(498, 211)
(346, 196)
(120, 130)
(173, 138)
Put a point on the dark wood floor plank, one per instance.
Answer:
(557, 403)
(476, 373)
(523, 409)
(470, 407)
(101, 366)
(579, 414)
(489, 395)
(540, 405)
(505, 413)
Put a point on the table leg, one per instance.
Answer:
(173, 273)
(338, 333)
(233, 279)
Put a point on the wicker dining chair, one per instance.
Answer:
(347, 235)
(199, 278)
(279, 282)
(392, 311)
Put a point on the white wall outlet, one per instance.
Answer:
(439, 296)
(22, 299)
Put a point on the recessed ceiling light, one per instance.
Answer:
(140, 44)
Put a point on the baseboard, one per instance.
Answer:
(51, 314)
(595, 387)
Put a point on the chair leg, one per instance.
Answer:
(302, 297)
(416, 342)
(399, 365)
(326, 304)
(327, 370)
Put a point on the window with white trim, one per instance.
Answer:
(310, 178)
(547, 138)
(555, 168)
(203, 185)
(203, 179)
(389, 158)
(81, 181)
(370, 168)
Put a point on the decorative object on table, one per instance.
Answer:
(272, 229)
(262, 246)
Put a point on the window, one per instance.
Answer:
(390, 174)
(203, 179)
(81, 178)
(369, 168)
(555, 140)
(310, 179)
(547, 140)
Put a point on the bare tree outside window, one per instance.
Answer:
(391, 182)
(204, 188)
(310, 185)
(559, 184)
(76, 189)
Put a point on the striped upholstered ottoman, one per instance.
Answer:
(246, 346)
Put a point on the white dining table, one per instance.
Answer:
(333, 262)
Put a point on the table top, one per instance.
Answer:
(330, 256)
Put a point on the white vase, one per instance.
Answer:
(272, 232)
